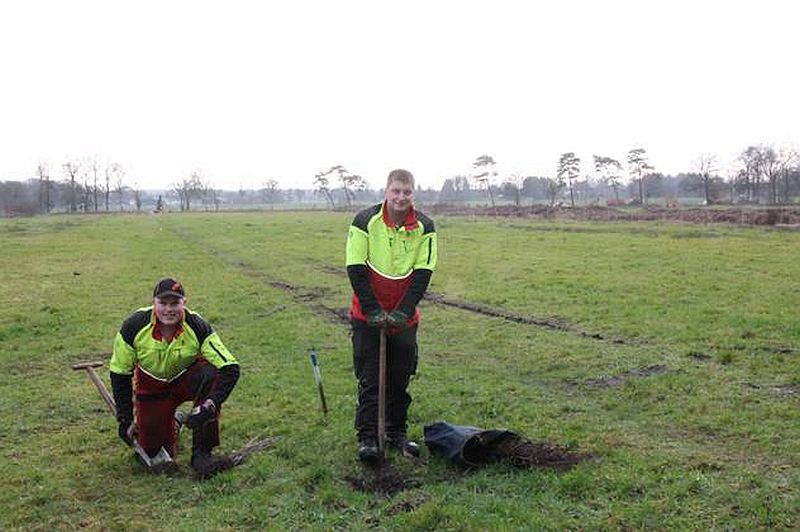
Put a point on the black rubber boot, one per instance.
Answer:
(401, 442)
(206, 465)
(368, 451)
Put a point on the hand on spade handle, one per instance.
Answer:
(377, 318)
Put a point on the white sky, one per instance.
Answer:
(250, 91)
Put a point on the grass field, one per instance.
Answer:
(669, 353)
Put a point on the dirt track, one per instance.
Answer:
(748, 215)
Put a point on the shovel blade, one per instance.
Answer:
(161, 458)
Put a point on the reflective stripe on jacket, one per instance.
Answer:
(390, 253)
(135, 344)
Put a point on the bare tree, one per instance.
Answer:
(43, 172)
(322, 184)
(770, 171)
(707, 167)
(763, 164)
(749, 176)
(569, 169)
(553, 188)
(189, 188)
(119, 187)
(270, 191)
(71, 168)
(354, 183)
(610, 172)
(487, 164)
(514, 183)
(86, 185)
(788, 161)
(137, 197)
(113, 173)
(93, 169)
(351, 183)
(211, 194)
(342, 177)
(461, 186)
(637, 165)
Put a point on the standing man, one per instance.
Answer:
(391, 254)
(173, 355)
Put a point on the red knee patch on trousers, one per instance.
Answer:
(155, 403)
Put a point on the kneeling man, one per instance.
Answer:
(164, 355)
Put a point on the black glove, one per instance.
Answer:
(202, 414)
(397, 318)
(376, 318)
(127, 432)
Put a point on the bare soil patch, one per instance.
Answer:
(785, 390)
(383, 479)
(301, 294)
(527, 454)
(699, 356)
(338, 315)
(617, 380)
(778, 390)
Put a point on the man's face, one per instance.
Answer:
(169, 309)
(399, 197)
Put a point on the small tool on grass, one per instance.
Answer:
(382, 393)
(318, 380)
(162, 459)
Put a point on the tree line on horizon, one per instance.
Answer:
(765, 175)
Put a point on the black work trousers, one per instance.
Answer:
(401, 363)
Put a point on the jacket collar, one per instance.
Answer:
(410, 223)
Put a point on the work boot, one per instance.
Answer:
(205, 465)
(401, 442)
(368, 451)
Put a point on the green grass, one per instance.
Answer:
(712, 442)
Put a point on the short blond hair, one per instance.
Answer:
(404, 176)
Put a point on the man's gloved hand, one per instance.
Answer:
(127, 432)
(201, 414)
(376, 318)
(397, 318)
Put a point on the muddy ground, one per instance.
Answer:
(788, 216)
(385, 480)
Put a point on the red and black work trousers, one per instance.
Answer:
(401, 364)
(156, 401)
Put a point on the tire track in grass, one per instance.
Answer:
(485, 310)
(777, 390)
(306, 296)
(547, 323)
(299, 294)
(309, 297)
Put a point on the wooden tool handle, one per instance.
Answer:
(382, 391)
(89, 367)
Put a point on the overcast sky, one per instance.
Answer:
(251, 91)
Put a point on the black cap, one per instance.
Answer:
(169, 287)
